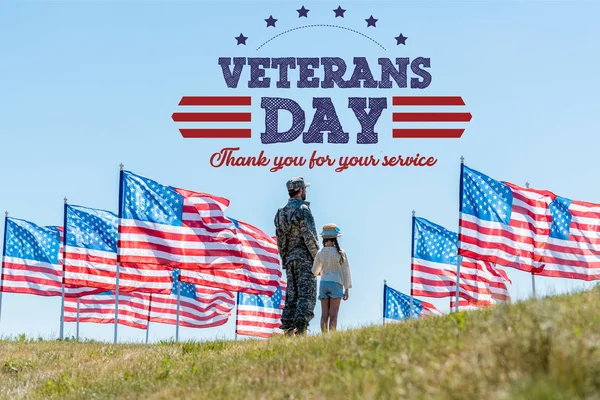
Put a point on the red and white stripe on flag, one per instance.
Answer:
(212, 307)
(97, 268)
(26, 276)
(463, 305)
(483, 284)
(480, 282)
(433, 279)
(429, 309)
(260, 272)
(100, 309)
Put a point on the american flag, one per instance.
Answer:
(397, 306)
(176, 228)
(100, 309)
(434, 259)
(260, 272)
(33, 261)
(573, 248)
(435, 263)
(260, 315)
(200, 307)
(91, 255)
(503, 223)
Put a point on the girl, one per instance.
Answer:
(331, 263)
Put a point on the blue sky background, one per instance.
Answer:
(86, 85)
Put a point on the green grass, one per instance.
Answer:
(544, 349)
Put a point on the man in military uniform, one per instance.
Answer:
(298, 245)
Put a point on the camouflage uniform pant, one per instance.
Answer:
(301, 295)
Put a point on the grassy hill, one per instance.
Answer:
(544, 349)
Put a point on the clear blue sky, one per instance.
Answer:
(86, 85)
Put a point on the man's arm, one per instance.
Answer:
(308, 231)
(281, 240)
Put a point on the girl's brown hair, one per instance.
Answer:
(337, 246)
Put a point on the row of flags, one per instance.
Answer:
(502, 225)
(397, 306)
(256, 315)
(168, 256)
(200, 307)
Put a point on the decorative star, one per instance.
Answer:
(241, 39)
(303, 12)
(271, 21)
(401, 40)
(339, 12)
(371, 21)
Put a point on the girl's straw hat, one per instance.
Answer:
(331, 231)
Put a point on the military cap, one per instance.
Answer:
(296, 183)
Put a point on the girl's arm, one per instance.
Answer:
(317, 265)
(346, 276)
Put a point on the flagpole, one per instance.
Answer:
(2, 263)
(384, 295)
(118, 252)
(148, 322)
(147, 331)
(77, 330)
(412, 253)
(458, 257)
(62, 297)
(458, 262)
(237, 308)
(178, 307)
(532, 274)
(116, 306)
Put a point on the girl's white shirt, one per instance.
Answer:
(327, 265)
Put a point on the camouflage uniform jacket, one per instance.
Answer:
(296, 232)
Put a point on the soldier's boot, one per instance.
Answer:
(301, 328)
(290, 332)
(287, 329)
